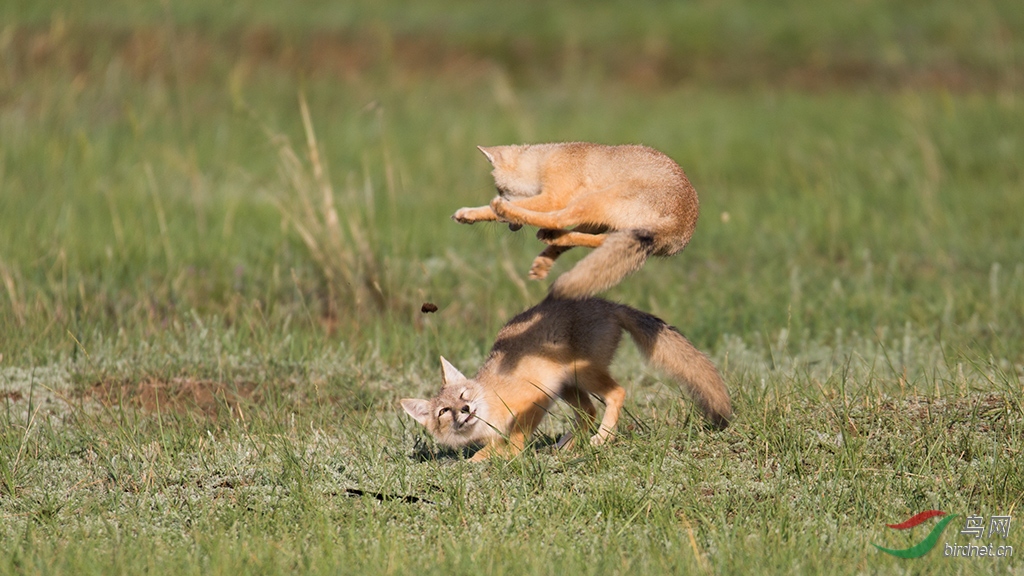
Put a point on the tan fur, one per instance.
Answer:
(626, 202)
(561, 349)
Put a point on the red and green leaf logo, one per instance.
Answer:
(924, 546)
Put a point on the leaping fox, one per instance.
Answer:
(626, 202)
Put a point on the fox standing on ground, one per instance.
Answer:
(560, 349)
(628, 202)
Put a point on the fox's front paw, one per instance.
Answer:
(500, 207)
(464, 216)
(541, 266)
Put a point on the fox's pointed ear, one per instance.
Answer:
(418, 409)
(450, 374)
(489, 152)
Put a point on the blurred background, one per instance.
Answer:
(283, 173)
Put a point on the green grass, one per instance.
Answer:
(189, 384)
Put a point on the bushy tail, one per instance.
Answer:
(669, 351)
(622, 253)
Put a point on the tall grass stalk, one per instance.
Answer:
(348, 263)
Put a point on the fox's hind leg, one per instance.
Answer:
(579, 400)
(570, 238)
(613, 395)
(545, 260)
(590, 236)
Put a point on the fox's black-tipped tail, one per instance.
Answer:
(622, 253)
(669, 351)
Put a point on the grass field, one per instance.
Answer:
(218, 226)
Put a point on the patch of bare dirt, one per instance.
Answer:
(12, 396)
(178, 395)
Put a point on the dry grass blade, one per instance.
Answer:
(341, 250)
(330, 213)
(12, 292)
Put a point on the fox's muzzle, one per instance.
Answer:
(464, 417)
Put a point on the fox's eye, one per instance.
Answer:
(463, 395)
(442, 411)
